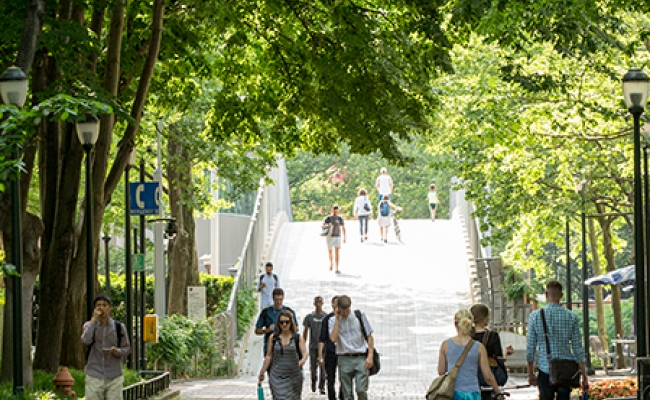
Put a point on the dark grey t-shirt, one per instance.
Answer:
(314, 321)
(336, 224)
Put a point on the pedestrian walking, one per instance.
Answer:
(363, 211)
(327, 353)
(267, 283)
(311, 328)
(266, 321)
(383, 219)
(108, 344)
(434, 200)
(284, 359)
(467, 387)
(564, 340)
(337, 226)
(492, 342)
(384, 183)
(354, 351)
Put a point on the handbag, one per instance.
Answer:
(366, 206)
(443, 387)
(326, 230)
(497, 366)
(376, 362)
(561, 372)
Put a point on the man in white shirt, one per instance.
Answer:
(354, 352)
(266, 284)
(384, 183)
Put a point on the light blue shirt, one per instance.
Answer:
(565, 338)
(351, 338)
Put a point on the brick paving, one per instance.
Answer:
(410, 292)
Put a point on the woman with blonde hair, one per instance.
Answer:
(287, 352)
(467, 387)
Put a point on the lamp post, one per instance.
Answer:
(567, 244)
(88, 131)
(13, 87)
(580, 188)
(107, 289)
(635, 92)
(127, 251)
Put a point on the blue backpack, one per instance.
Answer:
(384, 209)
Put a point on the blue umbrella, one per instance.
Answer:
(621, 276)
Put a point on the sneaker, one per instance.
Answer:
(322, 391)
(362, 240)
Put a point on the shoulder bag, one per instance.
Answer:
(561, 372)
(327, 229)
(443, 387)
(497, 366)
(376, 362)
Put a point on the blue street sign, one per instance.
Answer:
(145, 198)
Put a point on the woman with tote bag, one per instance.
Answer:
(472, 356)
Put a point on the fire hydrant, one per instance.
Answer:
(63, 382)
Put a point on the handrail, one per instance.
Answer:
(243, 270)
(148, 388)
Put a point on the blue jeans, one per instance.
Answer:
(546, 392)
(363, 224)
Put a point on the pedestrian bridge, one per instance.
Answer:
(410, 291)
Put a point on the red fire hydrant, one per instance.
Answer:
(63, 382)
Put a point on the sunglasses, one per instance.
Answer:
(284, 322)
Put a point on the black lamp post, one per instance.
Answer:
(88, 131)
(107, 264)
(635, 92)
(567, 244)
(580, 188)
(127, 250)
(13, 87)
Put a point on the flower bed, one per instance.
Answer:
(610, 388)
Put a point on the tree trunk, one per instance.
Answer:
(179, 170)
(598, 291)
(32, 230)
(605, 224)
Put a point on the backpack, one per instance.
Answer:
(275, 277)
(118, 330)
(366, 206)
(384, 209)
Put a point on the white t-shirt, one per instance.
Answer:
(267, 292)
(385, 184)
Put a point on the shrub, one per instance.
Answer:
(44, 387)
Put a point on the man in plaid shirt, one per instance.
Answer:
(565, 341)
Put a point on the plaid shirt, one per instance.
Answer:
(564, 334)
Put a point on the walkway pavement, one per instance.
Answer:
(409, 290)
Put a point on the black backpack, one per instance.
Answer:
(118, 330)
(274, 277)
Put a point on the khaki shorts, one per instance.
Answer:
(104, 389)
(333, 242)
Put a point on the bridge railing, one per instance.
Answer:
(486, 272)
(271, 209)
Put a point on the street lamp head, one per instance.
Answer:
(635, 89)
(13, 86)
(88, 130)
(170, 229)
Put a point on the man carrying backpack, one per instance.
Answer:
(268, 317)
(108, 343)
(266, 284)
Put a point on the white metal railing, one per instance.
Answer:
(271, 209)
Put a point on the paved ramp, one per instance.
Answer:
(409, 290)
